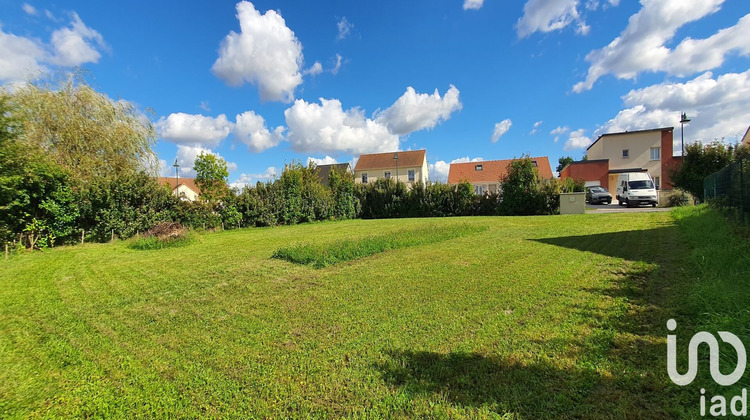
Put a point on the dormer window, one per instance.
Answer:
(533, 162)
(478, 167)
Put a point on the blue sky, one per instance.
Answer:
(268, 82)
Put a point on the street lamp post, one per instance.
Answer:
(176, 175)
(683, 120)
(395, 157)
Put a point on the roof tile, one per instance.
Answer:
(385, 160)
(492, 170)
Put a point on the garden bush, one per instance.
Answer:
(679, 197)
(164, 235)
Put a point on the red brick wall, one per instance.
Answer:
(668, 162)
(588, 170)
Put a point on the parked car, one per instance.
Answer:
(596, 195)
(636, 188)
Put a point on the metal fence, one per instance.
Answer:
(729, 190)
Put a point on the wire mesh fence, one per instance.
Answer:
(729, 190)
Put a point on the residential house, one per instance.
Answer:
(323, 171)
(184, 188)
(746, 138)
(485, 176)
(611, 154)
(408, 167)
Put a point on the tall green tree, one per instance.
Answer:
(522, 189)
(36, 202)
(211, 177)
(563, 162)
(84, 131)
(701, 160)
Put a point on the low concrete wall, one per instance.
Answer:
(573, 203)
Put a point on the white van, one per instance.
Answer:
(635, 188)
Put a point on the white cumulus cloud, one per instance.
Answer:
(265, 53)
(337, 65)
(20, 57)
(536, 127)
(186, 156)
(439, 170)
(250, 128)
(642, 46)
(577, 140)
(500, 128)
(548, 16)
(473, 4)
(194, 129)
(250, 180)
(23, 58)
(29, 9)
(416, 111)
(559, 131)
(719, 107)
(345, 28)
(327, 128)
(76, 44)
(321, 161)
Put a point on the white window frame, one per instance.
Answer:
(412, 175)
(656, 151)
(387, 174)
(625, 153)
(364, 178)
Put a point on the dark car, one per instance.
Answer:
(595, 195)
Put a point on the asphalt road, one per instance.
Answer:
(614, 208)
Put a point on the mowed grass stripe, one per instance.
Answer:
(324, 255)
(530, 317)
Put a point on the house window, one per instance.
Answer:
(478, 189)
(533, 162)
(655, 153)
(387, 175)
(364, 178)
(625, 153)
(657, 182)
(411, 176)
(477, 167)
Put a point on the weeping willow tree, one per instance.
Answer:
(64, 150)
(84, 131)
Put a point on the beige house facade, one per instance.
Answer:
(408, 167)
(184, 188)
(648, 151)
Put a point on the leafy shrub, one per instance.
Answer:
(521, 187)
(569, 185)
(164, 235)
(323, 255)
(678, 197)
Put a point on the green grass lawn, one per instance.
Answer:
(560, 316)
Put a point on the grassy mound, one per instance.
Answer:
(164, 235)
(324, 255)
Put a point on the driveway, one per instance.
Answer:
(614, 208)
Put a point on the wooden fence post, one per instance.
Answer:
(83, 235)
